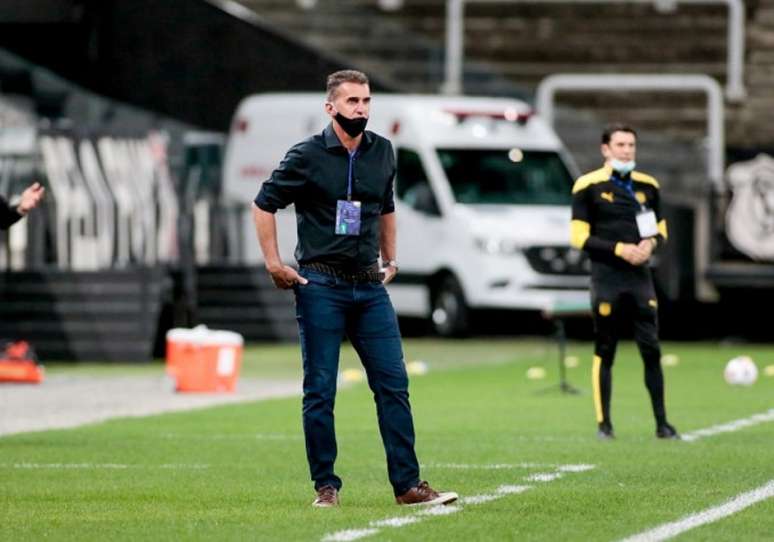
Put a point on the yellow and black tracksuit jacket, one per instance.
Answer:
(604, 213)
(604, 209)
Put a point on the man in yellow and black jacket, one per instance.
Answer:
(616, 220)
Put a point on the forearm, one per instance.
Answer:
(266, 229)
(597, 245)
(387, 237)
(582, 239)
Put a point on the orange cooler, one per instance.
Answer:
(204, 360)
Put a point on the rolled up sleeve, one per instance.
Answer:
(388, 202)
(285, 184)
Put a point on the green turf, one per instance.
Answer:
(239, 472)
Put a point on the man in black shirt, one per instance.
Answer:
(341, 184)
(29, 200)
(616, 220)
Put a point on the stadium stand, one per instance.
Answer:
(141, 77)
(524, 42)
(196, 73)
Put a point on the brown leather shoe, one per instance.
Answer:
(327, 497)
(424, 495)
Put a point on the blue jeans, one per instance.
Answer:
(327, 309)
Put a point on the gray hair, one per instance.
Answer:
(343, 76)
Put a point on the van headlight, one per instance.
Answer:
(493, 245)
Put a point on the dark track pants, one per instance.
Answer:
(616, 300)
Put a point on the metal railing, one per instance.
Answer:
(594, 82)
(455, 37)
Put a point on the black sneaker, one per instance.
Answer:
(666, 431)
(605, 432)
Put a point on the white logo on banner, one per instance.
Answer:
(750, 217)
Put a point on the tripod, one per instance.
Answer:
(556, 313)
(561, 338)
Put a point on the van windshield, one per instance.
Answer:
(507, 177)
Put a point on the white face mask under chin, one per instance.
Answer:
(622, 167)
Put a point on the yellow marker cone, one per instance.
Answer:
(536, 373)
(352, 375)
(417, 367)
(670, 360)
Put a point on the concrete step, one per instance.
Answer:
(518, 22)
(529, 74)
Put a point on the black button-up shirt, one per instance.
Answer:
(313, 175)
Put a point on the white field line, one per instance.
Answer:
(236, 436)
(349, 534)
(575, 468)
(479, 499)
(500, 492)
(395, 522)
(738, 503)
(731, 426)
(95, 466)
(401, 521)
(508, 466)
(543, 477)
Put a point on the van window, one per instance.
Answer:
(412, 186)
(507, 176)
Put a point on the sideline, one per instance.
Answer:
(374, 527)
(710, 515)
(730, 427)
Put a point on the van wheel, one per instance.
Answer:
(449, 316)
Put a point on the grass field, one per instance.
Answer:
(483, 429)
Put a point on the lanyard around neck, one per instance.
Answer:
(352, 156)
(628, 186)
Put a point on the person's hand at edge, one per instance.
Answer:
(30, 198)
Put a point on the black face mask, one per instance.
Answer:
(353, 127)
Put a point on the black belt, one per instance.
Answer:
(372, 274)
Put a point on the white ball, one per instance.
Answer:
(741, 371)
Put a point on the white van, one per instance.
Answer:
(482, 193)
